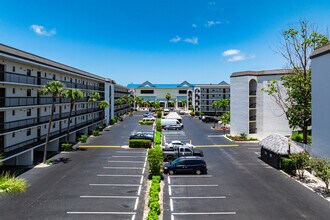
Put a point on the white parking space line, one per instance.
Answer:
(110, 184)
(139, 191)
(195, 176)
(169, 180)
(128, 168)
(257, 153)
(110, 197)
(119, 175)
(104, 213)
(143, 170)
(197, 197)
(169, 190)
(194, 185)
(214, 136)
(133, 217)
(205, 213)
(145, 164)
(128, 156)
(141, 180)
(136, 203)
(172, 217)
(171, 204)
(123, 161)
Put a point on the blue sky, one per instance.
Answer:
(163, 41)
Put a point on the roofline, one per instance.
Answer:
(321, 51)
(261, 73)
(41, 60)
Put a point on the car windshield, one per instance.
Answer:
(176, 161)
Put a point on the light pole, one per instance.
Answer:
(289, 144)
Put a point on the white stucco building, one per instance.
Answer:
(253, 111)
(320, 105)
(25, 112)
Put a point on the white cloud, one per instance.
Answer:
(212, 23)
(41, 30)
(236, 55)
(194, 25)
(175, 39)
(230, 52)
(193, 40)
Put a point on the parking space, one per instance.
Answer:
(117, 188)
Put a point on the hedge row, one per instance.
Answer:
(139, 143)
(158, 138)
(159, 125)
(153, 203)
(144, 122)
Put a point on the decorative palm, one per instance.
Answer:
(156, 104)
(56, 89)
(139, 100)
(222, 103)
(167, 97)
(103, 104)
(184, 103)
(73, 95)
(94, 97)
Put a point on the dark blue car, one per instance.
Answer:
(190, 164)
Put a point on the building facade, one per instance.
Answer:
(121, 108)
(199, 96)
(25, 112)
(320, 97)
(253, 111)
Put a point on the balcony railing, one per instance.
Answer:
(253, 105)
(34, 80)
(253, 118)
(253, 92)
(25, 145)
(26, 101)
(20, 124)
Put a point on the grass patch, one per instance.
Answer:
(143, 122)
(9, 184)
(240, 138)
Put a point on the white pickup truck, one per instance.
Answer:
(175, 144)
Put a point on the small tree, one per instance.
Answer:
(167, 97)
(73, 95)
(184, 103)
(55, 89)
(139, 100)
(322, 170)
(156, 104)
(225, 118)
(301, 161)
(222, 103)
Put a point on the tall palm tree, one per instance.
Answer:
(139, 100)
(103, 104)
(222, 103)
(56, 89)
(73, 95)
(184, 103)
(93, 98)
(167, 97)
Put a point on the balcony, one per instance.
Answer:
(33, 80)
(27, 101)
(25, 145)
(253, 92)
(25, 123)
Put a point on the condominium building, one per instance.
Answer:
(253, 111)
(121, 108)
(320, 97)
(199, 96)
(25, 112)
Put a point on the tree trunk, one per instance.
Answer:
(305, 133)
(68, 129)
(48, 130)
(92, 116)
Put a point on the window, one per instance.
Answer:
(13, 134)
(28, 132)
(13, 112)
(28, 92)
(45, 109)
(14, 90)
(54, 125)
(28, 112)
(14, 68)
(147, 91)
(64, 78)
(54, 76)
(45, 75)
(28, 71)
(182, 91)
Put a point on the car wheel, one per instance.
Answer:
(198, 172)
(171, 172)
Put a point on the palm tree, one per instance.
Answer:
(56, 89)
(156, 104)
(73, 95)
(168, 97)
(222, 103)
(94, 97)
(184, 103)
(103, 104)
(139, 100)
(148, 104)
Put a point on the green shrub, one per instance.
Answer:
(298, 137)
(113, 121)
(300, 161)
(83, 138)
(152, 215)
(156, 179)
(158, 137)
(192, 113)
(155, 206)
(159, 114)
(159, 125)
(243, 136)
(139, 143)
(322, 170)
(155, 159)
(11, 184)
(66, 147)
(96, 132)
(143, 122)
(152, 199)
(288, 166)
(100, 127)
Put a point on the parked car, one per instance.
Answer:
(149, 118)
(142, 135)
(174, 144)
(173, 153)
(208, 119)
(147, 114)
(186, 165)
(172, 127)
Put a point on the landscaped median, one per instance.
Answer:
(155, 159)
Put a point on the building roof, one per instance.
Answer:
(4, 49)
(221, 84)
(147, 85)
(321, 51)
(261, 73)
(279, 144)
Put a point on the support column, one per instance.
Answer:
(25, 159)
